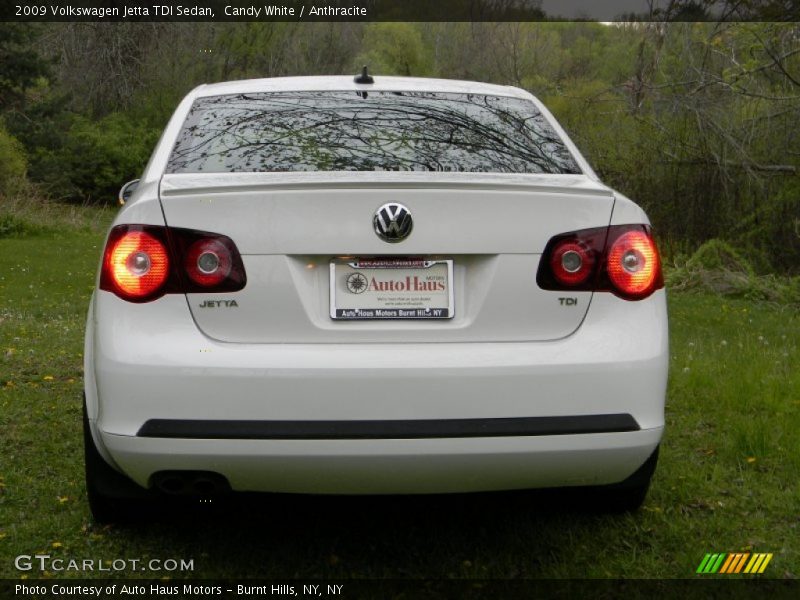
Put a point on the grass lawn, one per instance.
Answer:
(727, 479)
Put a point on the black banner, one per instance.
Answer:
(462, 589)
(394, 10)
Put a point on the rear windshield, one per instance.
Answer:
(368, 131)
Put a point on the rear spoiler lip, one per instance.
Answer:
(219, 183)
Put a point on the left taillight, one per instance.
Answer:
(136, 263)
(143, 262)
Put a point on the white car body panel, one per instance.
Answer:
(416, 466)
(144, 367)
(287, 296)
(512, 351)
(331, 220)
(158, 369)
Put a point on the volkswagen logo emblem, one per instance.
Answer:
(393, 222)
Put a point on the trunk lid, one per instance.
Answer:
(290, 226)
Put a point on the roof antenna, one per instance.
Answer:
(364, 77)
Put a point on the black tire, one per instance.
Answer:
(113, 497)
(627, 495)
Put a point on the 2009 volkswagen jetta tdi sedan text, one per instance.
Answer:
(388, 285)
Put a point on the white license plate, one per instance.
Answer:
(391, 288)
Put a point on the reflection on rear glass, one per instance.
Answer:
(374, 131)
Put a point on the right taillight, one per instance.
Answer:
(144, 262)
(622, 259)
(633, 266)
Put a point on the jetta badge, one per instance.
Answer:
(393, 222)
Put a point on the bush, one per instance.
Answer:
(716, 255)
(15, 226)
(100, 156)
(717, 267)
(13, 163)
(771, 236)
(30, 213)
(77, 158)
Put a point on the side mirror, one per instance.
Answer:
(126, 191)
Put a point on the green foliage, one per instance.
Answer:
(15, 225)
(20, 64)
(11, 226)
(718, 267)
(771, 233)
(246, 50)
(394, 49)
(13, 163)
(716, 255)
(95, 157)
(27, 213)
(694, 121)
(102, 155)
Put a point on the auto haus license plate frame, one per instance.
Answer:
(376, 289)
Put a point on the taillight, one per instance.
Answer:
(633, 265)
(136, 263)
(208, 262)
(572, 262)
(144, 262)
(622, 259)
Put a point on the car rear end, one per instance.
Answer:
(364, 321)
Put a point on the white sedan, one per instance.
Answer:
(364, 285)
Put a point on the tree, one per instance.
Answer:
(394, 49)
(20, 65)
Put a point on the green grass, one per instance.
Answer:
(727, 479)
(28, 213)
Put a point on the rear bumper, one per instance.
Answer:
(393, 465)
(161, 369)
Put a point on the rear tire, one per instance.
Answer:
(113, 497)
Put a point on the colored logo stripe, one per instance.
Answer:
(758, 563)
(711, 563)
(734, 562)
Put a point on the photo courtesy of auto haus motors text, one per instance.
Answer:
(182, 590)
